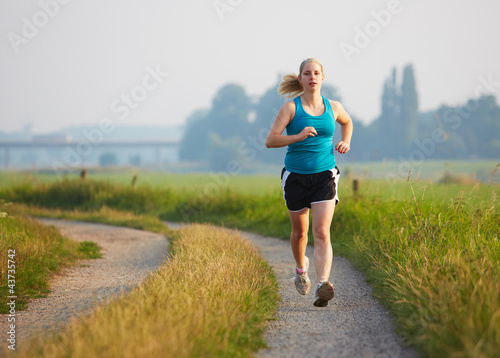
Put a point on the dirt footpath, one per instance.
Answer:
(128, 256)
(353, 324)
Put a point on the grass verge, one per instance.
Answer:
(104, 215)
(209, 299)
(31, 253)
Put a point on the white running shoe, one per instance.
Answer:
(302, 282)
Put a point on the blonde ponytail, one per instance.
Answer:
(290, 86)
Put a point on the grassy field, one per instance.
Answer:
(461, 172)
(431, 250)
(464, 171)
(178, 182)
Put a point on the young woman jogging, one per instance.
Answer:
(310, 177)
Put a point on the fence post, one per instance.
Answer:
(355, 186)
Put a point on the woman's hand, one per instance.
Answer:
(307, 132)
(342, 147)
(345, 121)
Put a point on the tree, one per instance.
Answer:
(135, 160)
(409, 107)
(194, 143)
(472, 128)
(387, 126)
(362, 146)
(330, 92)
(229, 114)
(266, 109)
(108, 158)
(223, 154)
(485, 124)
(396, 127)
(227, 118)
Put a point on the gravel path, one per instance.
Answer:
(353, 324)
(128, 256)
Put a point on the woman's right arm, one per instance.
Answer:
(275, 137)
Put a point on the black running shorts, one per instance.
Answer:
(302, 190)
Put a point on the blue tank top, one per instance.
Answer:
(313, 154)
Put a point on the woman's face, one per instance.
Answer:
(311, 76)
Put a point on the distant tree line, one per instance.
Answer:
(231, 134)
(467, 131)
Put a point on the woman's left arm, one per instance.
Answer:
(345, 121)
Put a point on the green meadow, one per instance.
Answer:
(429, 244)
(458, 172)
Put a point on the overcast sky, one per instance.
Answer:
(66, 63)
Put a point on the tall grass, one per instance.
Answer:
(209, 299)
(437, 266)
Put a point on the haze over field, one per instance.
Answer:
(69, 63)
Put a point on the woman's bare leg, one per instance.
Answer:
(322, 214)
(298, 237)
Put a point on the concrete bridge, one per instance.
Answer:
(84, 144)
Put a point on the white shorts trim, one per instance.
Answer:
(322, 201)
(296, 211)
(283, 183)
